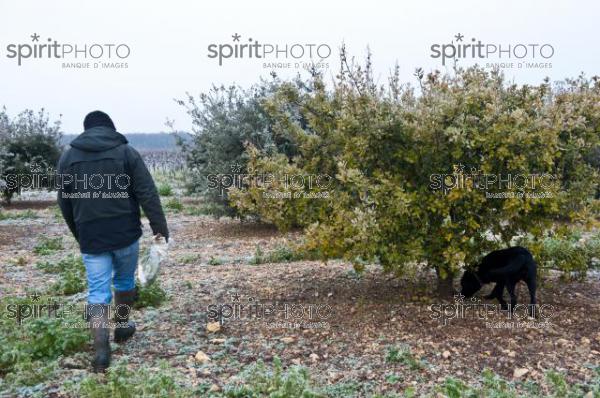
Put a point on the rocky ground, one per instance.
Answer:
(350, 327)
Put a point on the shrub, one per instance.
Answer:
(226, 120)
(29, 144)
(388, 203)
(566, 251)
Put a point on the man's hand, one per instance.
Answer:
(158, 236)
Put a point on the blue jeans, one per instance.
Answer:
(116, 266)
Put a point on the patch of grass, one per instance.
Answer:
(281, 254)
(188, 258)
(204, 209)
(150, 296)
(260, 381)
(174, 205)
(56, 213)
(69, 282)
(69, 263)
(404, 356)
(215, 261)
(19, 215)
(48, 246)
(71, 275)
(394, 378)
(349, 389)
(492, 385)
(165, 189)
(27, 348)
(122, 382)
(28, 373)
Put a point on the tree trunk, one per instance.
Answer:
(445, 287)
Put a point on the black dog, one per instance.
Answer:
(505, 267)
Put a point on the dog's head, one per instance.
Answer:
(470, 283)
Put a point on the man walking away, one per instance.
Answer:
(104, 182)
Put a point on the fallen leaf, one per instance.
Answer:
(520, 372)
(213, 327)
(201, 357)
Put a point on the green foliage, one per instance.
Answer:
(19, 215)
(151, 295)
(494, 386)
(29, 373)
(386, 147)
(281, 254)
(204, 209)
(29, 145)
(215, 261)
(404, 356)
(566, 250)
(47, 246)
(165, 189)
(122, 382)
(70, 263)
(71, 275)
(69, 282)
(37, 339)
(260, 381)
(56, 213)
(174, 204)
(188, 258)
(225, 121)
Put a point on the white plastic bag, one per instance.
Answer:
(151, 259)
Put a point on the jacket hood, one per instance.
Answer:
(98, 139)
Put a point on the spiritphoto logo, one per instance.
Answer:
(72, 55)
(35, 307)
(495, 186)
(272, 55)
(521, 316)
(274, 185)
(521, 55)
(276, 314)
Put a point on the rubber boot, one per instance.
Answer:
(98, 319)
(123, 306)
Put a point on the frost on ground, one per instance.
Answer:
(371, 331)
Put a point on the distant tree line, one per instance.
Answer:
(146, 141)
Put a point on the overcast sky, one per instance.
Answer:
(169, 54)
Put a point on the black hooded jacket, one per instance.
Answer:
(104, 182)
